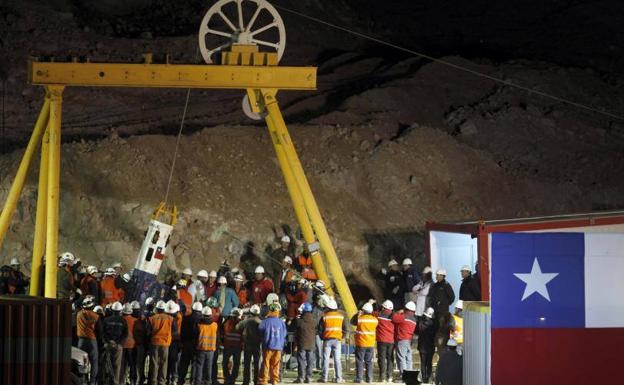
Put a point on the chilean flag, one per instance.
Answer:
(557, 308)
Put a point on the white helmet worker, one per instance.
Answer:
(426, 270)
(459, 304)
(429, 312)
(259, 270)
(127, 308)
(202, 274)
(197, 306)
(392, 262)
(254, 309)
(367, 308)
(14, 262)
(407, 262)
(117, 306)
(160, 305)
(332, 304)
(441, 272)
(411, 306)
(272, 298)
(187, 271)
(387, 304)
(239, 278)
(135, 305)
(92, 270)
(288, 260)
(109, 271)
(222, 280)
(171, 307)
(285, 239)
(320, 284)
(206, 311)
(213, 274)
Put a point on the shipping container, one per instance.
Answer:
(36, 340)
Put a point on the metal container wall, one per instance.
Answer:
(35, 341)
(477, 343)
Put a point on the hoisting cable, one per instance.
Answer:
(453, 65)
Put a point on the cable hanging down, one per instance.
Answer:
(452, 65)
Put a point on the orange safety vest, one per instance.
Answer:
(307, 271)
(130, 343)
(231, 338)
(332, 325)
(207, 340)
(85, 324)
(458, 331)
(110, 293)
(161, 329)
(366, 331)
(187, 298)
(178, 321)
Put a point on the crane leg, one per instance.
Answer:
(40, 219)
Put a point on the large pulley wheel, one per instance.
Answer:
(230, 22)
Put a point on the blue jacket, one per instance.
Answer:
(231, 300)
(411, 277)
(273, 332)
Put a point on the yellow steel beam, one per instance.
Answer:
(40, 219)
(171, 75)
(312, 209)
(298, 204)
(20, 177)
(54, 190)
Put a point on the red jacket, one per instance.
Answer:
(405, 325)
(386, 330)
(260, 290)
(294, 301)
(210, 289)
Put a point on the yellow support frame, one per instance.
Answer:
(243, 68)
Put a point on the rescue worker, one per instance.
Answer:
(318, 310)
(140, 340)
(332, 329)
(232, 342)
(89, 284)
(128, 360)
(305, 342)
(205, 345)
(365, 338)
(456, 326)
(241, 291)
(109, 289)
(287, 274)
(470, 289)
(251, 344)
(411, 278)
(161, 328)
(17, 281)
(173, 356)
(394, 284)
(211, 286)
(118, 269)
(198, 288)
(89, 330)
(286, 248)
(385, 341)
(273, 332)
(261, 287)
(295, 297)
(441, 296)
(65, 284)
(188, 336)
(115, 332)
(422, 291)
(405, 321)
(226, 297)
(184, 295)
(450, 366)
(305, 266)
(426, 343)
(187, 274)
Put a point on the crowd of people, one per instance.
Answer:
(244, 316)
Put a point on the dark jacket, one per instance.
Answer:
(394, 288)
(251, 336)
(305, 335)
(450, 368)
(189, 327)
(426, 334)
(442, 296)
(17, 282)
(115, 329)
(411, 277)
(470, 289)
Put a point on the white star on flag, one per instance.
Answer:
(536, 281)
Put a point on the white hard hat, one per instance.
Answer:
(285, 239)
(459, 304)
(202, 274)
(126, 277)
(92, 269)
(332, 304)
(213, 274)
(239, 278)
(67, 256)
(235, 312)
(429, 312)
(387, 304)
(254, 309)
(259, 270)
(451, 342)
(441, 272)
(98, 309)
(149, 301)
(117, 306)
(160, 305)
(116, 265)
(127, 308)
(109, 271)
(367, 308)
(222, 279)
(207, 311)
(407, 261)
(392, 262)
(197, 306)
(427, 269)
(287, 259)
(88, 302)
(171, 307)
(319, 284)
(466, 268)
(272, 298)
(14, 261)
(411, 306)
(187, 271)
(135, 305)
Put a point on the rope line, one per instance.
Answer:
(452, 65)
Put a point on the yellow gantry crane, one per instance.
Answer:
(254, 24)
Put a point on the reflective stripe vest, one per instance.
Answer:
(207, 339)
(366, 331)
(130, 343)
(385, 329)
(85, 324)
(231, 338)
(332, 325)
(161, 329)
(458, 331)
(110, 293)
